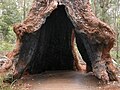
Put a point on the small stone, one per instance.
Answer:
(106, 32)
(113, 82)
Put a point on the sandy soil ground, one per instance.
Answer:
(66, 80)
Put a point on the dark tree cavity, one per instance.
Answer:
(46, 40)
(53, 50)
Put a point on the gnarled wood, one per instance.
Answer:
(79, 65)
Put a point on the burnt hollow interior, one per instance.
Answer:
(54, 44)
(49, 48)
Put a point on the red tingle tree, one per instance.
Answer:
(45, 40)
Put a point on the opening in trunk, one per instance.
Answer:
(53, 51)
(49, 46)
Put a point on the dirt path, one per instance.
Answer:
(66, 80)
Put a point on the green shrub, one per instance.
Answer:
(113, 54)
(6, 46)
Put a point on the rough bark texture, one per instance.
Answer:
(79, 64)
(47, 30)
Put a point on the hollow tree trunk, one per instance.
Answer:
(44, 39)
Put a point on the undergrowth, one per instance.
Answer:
(4, 86)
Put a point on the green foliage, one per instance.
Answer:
(117, 60)
(6, 46)
(11, 12)
(10, 15)
(11, 37)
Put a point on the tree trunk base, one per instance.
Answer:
(45, 40)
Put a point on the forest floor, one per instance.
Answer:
(64, 80)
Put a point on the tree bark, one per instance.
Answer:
(94, 38)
